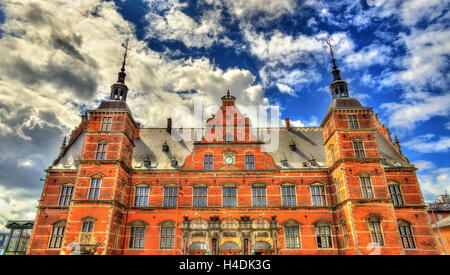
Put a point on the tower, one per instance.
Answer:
(96, 215)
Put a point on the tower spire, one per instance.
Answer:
(122, 73)
(338, 87)
(119, 90)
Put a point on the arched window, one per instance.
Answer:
(406, 234)
(198, 246)
(375, 230)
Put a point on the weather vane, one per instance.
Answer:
(125, 55)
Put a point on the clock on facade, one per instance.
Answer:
(229, 160)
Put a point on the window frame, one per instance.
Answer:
(141, 198)
(358, 148)
(321, 234)
(321, 195)
(57, 236)
(137, 237)
(286, 199)
(366, 187)
(106, 124)
(375, 230)
(167, 239)
(64, 196)
(353, 122)
(229, 199)
(94, 190)
(208, 162)
(259, 196)
(170, 196)
(292, 233)
(203, 196)
(397, 196)
(102, 148)
(408, 235)
(249, 161)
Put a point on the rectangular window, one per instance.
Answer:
(323, 236)
(137, 237)
(353, 122)
(66, 195)
(170, 196)
(366, 187)
(229, 196)
(200, 197)
(249, 162)
(328, 129)
(396, 194)
(101, 151)
(106, 124)
(288, 194)
(141, 197)
(359, 149)
(344, 234)
(375, 232)
(167, 237)
(87, 227)
(292, 237)
(208, 162)
(331, 151)
(24, 240)
(259, 196)
(318, 195)
(94, 190)
(57, 236)
(14, 240)
(406, 236)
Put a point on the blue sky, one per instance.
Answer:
(61, 56)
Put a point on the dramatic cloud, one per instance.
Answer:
(428, 144)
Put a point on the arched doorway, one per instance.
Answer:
(198, 248)
(229, 248)
(262, 248)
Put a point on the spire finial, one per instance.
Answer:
(332, 54)
(228, 93)
(122, 73)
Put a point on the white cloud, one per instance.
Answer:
(434, 182)
(428, 144)
(413, 11)
(246, 9)
(176, 25)
(423, 165)
(285, 89)
(374, 54)
(16, 205)
(408, 113)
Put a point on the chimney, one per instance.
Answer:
(288, 123)
(169, 125)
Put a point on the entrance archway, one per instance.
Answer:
(198, 248)
(229, 248)
(262, 248)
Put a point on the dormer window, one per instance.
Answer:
(312, 161)
(229, 138)
(174, 162)
(293, 146)
(147, 164)
(165, 147)
(284, 160)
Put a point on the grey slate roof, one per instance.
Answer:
(393, 159)
(114, 105)
(68, 160)
(308, 141)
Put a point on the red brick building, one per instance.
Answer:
(341, 188)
